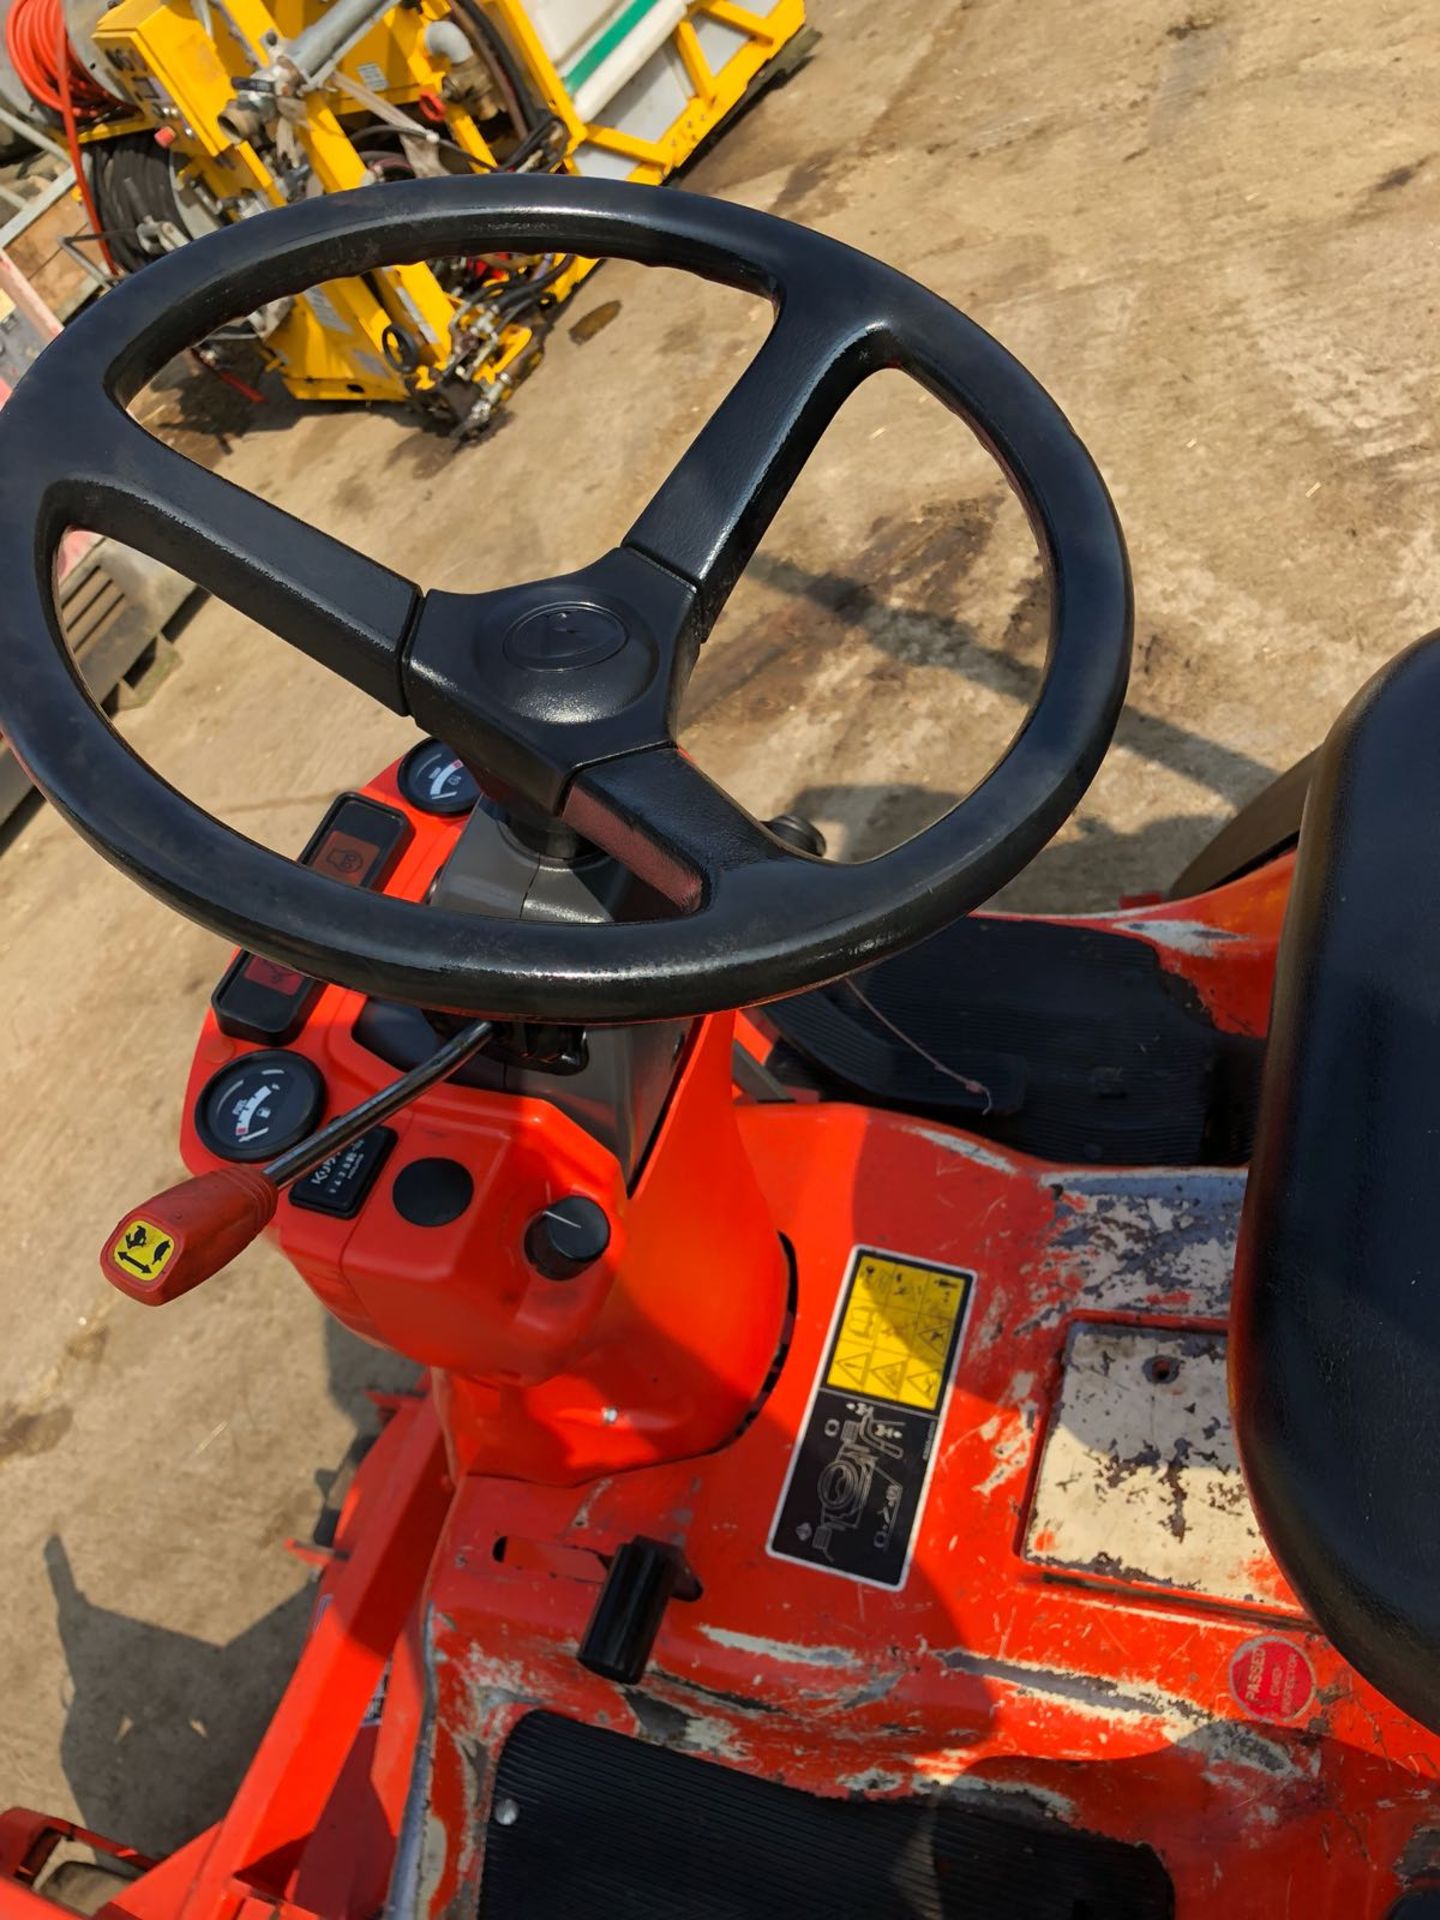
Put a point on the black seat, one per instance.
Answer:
(1335, 1348)
(1068, 1042)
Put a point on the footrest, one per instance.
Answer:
(592, 1825)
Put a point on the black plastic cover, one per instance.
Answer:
(357, 842)
(432, 1192)
(1335, 1349)
(1071, 1043)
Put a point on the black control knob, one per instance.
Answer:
(570, 1235)
(798, 832)
(643, 1578)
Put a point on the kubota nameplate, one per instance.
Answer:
(857, 1481)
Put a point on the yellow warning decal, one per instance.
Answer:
(142, 1250)
(897, 1330)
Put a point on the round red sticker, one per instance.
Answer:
(1271, 1678)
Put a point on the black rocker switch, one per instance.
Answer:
(570, 1235)
(644, 1577)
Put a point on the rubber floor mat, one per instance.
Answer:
(594, 1825)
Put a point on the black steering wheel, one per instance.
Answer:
(565, 691)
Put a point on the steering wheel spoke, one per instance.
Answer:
(712, 510)
(344, 610)
(671, 825)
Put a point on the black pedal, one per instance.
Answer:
(644, 1577)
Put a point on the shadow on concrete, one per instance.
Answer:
(162, 1725)
(1086, 873)
(921, 636)
(355, 1370)
(897, 596)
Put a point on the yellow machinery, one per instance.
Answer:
(225, 107)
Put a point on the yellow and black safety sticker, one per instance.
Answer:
(856, 1488)
(143, 1250)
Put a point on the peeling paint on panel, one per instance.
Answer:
(1139, 1479)
(671, 1726)
(1234, 1743)
(1195, 937)
(792, 1652)
(596, 1491)
(873, 1690)
(746, 1703)
(1011, 1454)
(947, 1772)
(1090, 1692)
(873, 1780)
(1124, 1243)
(967, 1147)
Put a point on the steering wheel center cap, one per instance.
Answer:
(573, 633)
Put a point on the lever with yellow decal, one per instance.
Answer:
(189, 1232)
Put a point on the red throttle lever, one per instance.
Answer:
(185, 1234)
(182, 1236)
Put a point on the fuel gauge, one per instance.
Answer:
(259, 1105)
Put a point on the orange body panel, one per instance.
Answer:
(1160, 1686)
(637, 1359)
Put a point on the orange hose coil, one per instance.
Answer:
(41, 54)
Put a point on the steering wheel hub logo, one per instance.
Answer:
(573, 633)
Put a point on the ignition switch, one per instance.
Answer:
(570, 1235)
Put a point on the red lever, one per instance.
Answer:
(170, 1244)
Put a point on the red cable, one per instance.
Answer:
(230, 379)
(41, 54)
(64, 61)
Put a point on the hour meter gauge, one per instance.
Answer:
(259, 1105)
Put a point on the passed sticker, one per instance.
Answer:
(857, 1482)
(143, 1250)
(1271, 1678)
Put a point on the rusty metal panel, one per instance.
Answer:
(1139, 1479)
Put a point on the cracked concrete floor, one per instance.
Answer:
(1209, 231)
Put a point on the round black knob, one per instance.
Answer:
(570, 1235)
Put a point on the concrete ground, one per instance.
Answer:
(1210, 232)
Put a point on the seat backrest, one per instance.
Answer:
(1335, 1348)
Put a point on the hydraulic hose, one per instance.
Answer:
(132, 184)
(529, 113)
(512, 300)
(42, 56)
(534, 139)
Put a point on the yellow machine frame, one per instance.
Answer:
(178, 60)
